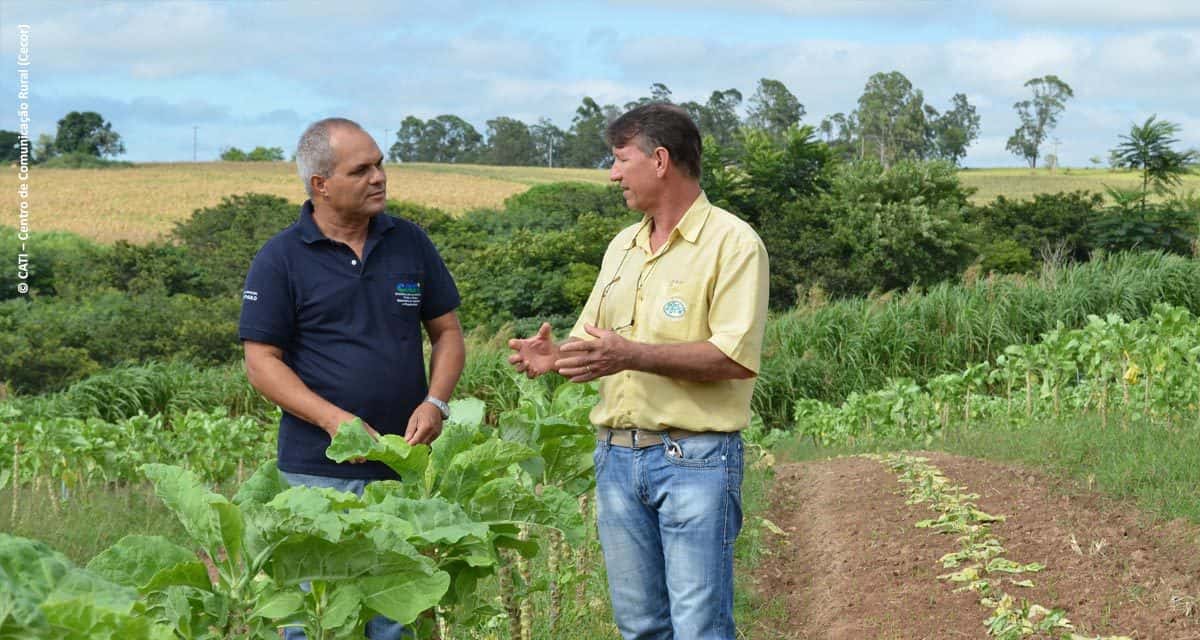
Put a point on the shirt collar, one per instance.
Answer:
(689, 225)
(309, 231)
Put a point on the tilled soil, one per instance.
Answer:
(853, 565)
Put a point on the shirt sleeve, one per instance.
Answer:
(737, 315)
(439, 292)
(268, 306)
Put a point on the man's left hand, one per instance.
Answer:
(425, 425)
(587, 360)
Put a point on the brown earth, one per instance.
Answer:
(853, 565)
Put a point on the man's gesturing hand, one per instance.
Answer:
(586, 360)
(536, 355)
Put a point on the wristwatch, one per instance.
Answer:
(441, 406)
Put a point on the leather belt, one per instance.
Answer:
(640, 438)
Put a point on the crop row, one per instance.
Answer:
(1146, 370)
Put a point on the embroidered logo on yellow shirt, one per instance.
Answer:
(675, 308)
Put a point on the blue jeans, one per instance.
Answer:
(668, 516)
(379, 627)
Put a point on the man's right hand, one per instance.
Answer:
(536, 355)
(346, 418)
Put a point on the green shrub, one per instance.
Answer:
(1155, 228)
(60, 263)
(1005, 256)
(222, 240)
(52, 342)
(1045, 222)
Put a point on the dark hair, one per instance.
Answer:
(659, 124)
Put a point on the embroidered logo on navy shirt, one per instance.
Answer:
(408, 294)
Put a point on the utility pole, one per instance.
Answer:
(195, 131)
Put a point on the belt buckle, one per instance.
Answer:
(633, 435)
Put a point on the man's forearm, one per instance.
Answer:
(280, 384)
(447, 357)
(694, 361)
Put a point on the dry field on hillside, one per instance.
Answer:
(141, 203)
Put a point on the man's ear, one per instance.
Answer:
(662, 160)
(318, 185)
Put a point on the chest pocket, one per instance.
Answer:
(404, 296)
(679, 311)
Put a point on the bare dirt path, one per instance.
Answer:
(854, 566)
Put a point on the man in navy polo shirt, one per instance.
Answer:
(332, 315)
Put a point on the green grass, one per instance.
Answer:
(1023, 183)
(1156, 467)
(90, 521)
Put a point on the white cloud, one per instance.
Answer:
(868, 9)
(1118, 13)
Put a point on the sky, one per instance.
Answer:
(177, 78)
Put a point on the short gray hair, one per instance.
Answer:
(314, 156)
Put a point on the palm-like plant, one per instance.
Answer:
(1148, 147)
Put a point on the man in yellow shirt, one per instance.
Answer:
(673, 331)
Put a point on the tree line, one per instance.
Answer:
(892, 122)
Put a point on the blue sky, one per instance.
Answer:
(254, 73)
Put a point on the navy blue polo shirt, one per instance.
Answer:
(349, 328)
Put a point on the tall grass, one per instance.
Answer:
(154, 388)
(826, 352)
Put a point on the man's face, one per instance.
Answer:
(357, 185)
(638, 175)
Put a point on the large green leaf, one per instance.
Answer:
(280, 605)
(472, 468)
(342, 613)
(80, 617)
(456, 438)
(209, 518)
(306, 558)
(434, 521)
(407, 460)
(561, 511)
(136, 560)
(504, 500)
(350, 441)
(266, 483)
(468, 412)
(314, 511)
(29, 572)
(568, 458)
(403, 596)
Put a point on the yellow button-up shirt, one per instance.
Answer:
(707, 282)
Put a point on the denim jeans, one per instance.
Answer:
(668, 516)
(379, 627)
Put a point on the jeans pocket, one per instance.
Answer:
(733, 486)
(600, 456)
(705, 451)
